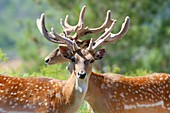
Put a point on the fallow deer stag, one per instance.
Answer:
(47, 95)
(113, 93)
(79, 31)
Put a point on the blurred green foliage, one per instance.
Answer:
(144, 49)
(3, 57)
(146, 45)
(138, 72)
(56, 71)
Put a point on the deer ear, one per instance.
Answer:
(65, 52)
(99, 54)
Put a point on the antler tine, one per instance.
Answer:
(80, 30)
(62, 38)
(90, 44)
(107, 23)
(108, 37)
(68, 29)
(42, 28)
(75, 46)
(81, 17)
(66, 26)
(104, 36)
(121, 33)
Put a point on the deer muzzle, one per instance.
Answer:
(81, 74)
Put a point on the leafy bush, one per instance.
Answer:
(146, 45)
(54, 71)
(3, 57)
(138, 72)
(84, 108)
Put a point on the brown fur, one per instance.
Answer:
(47, 95)
(115, 93)
(106, 91)
(35, 94)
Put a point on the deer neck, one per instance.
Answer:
(74, 92)
(96, 82)
(94, 96)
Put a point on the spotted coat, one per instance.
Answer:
(118, 94)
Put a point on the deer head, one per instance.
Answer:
(68, 50)
(108, 37)
(81, 59)
(79, 31)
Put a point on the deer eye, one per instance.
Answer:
(73, 59)
(91, 61)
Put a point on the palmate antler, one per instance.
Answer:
(108, 37)
(80, 29)
(53, 36)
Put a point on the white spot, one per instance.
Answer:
(9, 82)
(46, 104)
(161, 103)
(51, 81)
(136, 98)
(39, 103)
(1, 84)
(13, 106)
(16, 104)
(10, 103)
(25, 106)
(129, 90)
(17, 98)
(126, 93)
(161, 78)
(122, 95)
(132, 100)
(126, 107)
(102, 86)
(21, 99)
(38, 97)
(58, 95)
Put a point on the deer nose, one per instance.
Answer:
(47, 60)
(82, 74)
